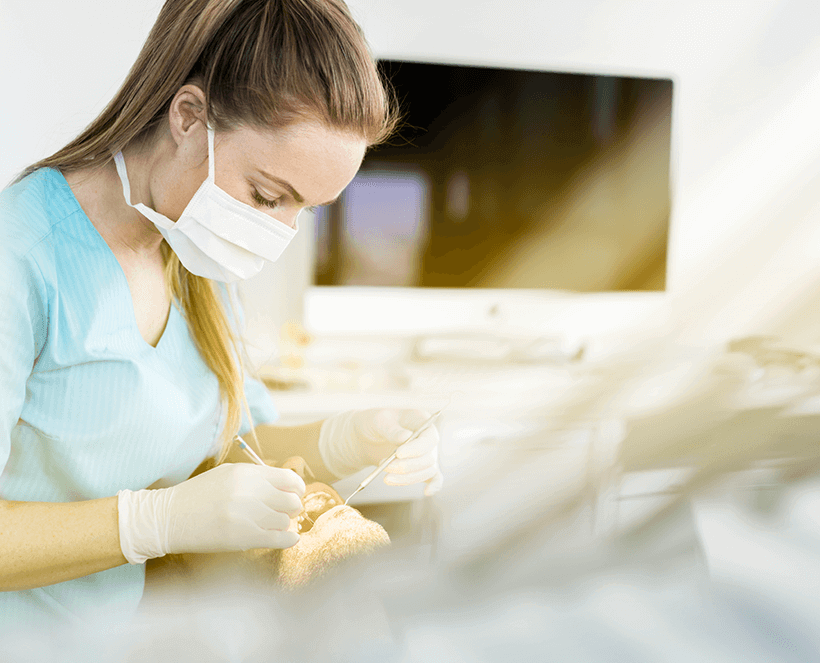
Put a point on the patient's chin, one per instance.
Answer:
(339, 533)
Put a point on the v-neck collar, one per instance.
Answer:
(116, 268)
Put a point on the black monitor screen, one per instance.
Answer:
(509, 178)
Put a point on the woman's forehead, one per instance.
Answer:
(316, 160)
(304, 137)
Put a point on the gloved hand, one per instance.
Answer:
(354, 440)
(234, 506)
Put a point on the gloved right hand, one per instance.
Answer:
(234, 506)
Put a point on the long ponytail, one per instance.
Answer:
(260, 63)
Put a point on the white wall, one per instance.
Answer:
(61, 63)
(746, 137)
(745, 129)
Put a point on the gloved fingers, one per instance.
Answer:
(277, 539)
(405, 471)
(272, 520)
(421, 446)
(284, 480)
(413, 477)
(279, 500)
(388, 425)
(412, 465)
(434, 485)
(381, 432)
(412, 419)
(393, 425)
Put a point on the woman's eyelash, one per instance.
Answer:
(264, 201)
(273, 204)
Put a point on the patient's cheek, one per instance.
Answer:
(345, 520)
(319, 499)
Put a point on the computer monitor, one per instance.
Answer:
(507, 197)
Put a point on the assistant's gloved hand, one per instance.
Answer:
(234, 506)
(354, 440)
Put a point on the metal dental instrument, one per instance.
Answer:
(244, 446)
(256, 459)
(392, 456)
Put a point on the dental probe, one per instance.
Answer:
(256, 459)
(244, 446)
(392, 456)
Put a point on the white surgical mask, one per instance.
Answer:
(217, 236)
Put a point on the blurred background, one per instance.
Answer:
(597, 241)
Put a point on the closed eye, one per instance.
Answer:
(261, 200)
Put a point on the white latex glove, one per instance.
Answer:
(235, 506)
(351, 441)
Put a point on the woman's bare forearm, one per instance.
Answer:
(42, 543)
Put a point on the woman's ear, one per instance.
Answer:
(187, 110)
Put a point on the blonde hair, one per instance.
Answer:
(260, 63)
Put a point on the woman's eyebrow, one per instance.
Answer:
(293, 192)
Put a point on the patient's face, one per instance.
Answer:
(330, 532)
(319, 499)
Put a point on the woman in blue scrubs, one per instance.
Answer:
(119, 369)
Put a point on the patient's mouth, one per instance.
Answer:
(340, 511)
(314, 505)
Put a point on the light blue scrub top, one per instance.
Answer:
(87, 407)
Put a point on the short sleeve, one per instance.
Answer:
(23, 324)
(263, 411)
(260, 404)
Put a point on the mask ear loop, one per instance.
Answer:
(211, 166)
(119, 162)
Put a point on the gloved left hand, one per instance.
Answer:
(351, 441)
